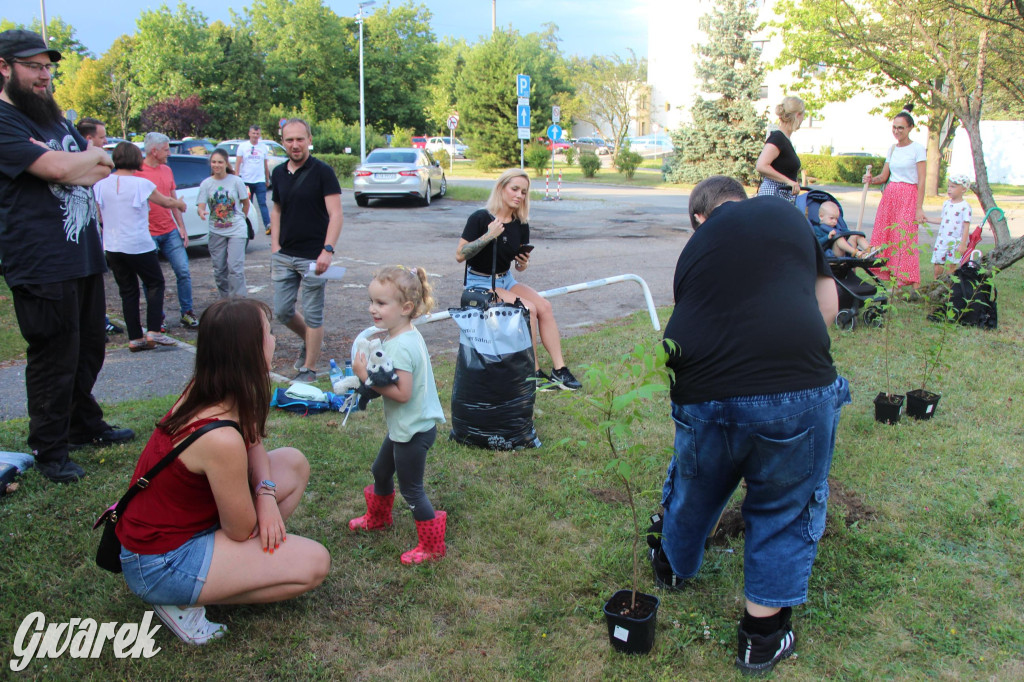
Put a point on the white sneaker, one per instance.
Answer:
(160, 339)
(190, 623)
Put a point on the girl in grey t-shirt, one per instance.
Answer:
(224, 201)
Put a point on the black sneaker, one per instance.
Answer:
(68, 472)
(663, 575)
(300, 361)
(113, 328)
(111, 436)
(541, 381)
(305, 376)
(564, 379)
(758, 654)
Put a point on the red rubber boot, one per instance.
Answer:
(378, 511)
(431, 540)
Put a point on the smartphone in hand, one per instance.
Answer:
(525, 248)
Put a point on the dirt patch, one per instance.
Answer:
(610, 495)
(856, 511)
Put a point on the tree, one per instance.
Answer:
(486, 89)
(176, 117)
(727, 133)
(608, 91)
(941, 51)
(171, 53)
(399, 57)
(441, 92)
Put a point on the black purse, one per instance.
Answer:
(479, 297)
(108, 554)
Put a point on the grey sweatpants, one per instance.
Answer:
(228, 257)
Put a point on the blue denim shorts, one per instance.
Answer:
(174, 578)
(781, 445)
(506, 281)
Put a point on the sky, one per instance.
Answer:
(586, 27)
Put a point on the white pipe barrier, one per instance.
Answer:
(549, 293)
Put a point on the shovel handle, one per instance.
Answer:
(863, 198)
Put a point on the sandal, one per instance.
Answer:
(137, 345)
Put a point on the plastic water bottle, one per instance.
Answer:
(335, 372)
(349, 373)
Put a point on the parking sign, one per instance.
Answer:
(523, 85)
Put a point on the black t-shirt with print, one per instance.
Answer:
(48, 231)
(515, 235)
(787, 162)
(304, 216)
(746, 318)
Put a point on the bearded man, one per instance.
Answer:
(51, 256)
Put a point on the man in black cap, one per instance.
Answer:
(51, 256)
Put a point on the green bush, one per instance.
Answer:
(570, 156)
(333, 136)
(343, 164)
(443, 157)
(589, 164)
(827, 168)
(537, 157)
(627, 161)
(487, 162)
(401, 137)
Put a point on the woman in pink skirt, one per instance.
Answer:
(902, 205)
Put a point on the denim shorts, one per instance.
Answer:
(781, 445)
(506, 281)
(290, 274)
(174, 578)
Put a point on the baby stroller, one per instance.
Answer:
(861, 292)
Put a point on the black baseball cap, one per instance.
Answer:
(21, 43)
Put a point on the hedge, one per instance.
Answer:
(840, 168)
(343, 164)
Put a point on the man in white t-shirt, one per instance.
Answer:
(251, 166)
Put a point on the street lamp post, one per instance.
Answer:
(362, 97)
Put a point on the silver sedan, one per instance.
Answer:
(399, 172)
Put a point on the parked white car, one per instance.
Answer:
(275, 158)
(189, 172)
(453, 145)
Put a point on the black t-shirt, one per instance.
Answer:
(304, 216)
(746, 318)
(787, 162)
(515, 235)
(48, 232)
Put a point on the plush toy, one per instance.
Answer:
(379, 372)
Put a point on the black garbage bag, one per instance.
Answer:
(493, 395)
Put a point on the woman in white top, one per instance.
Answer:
(123, 200)
(227, 198)
(902, 207)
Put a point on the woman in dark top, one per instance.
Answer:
(504, 224)
(778, 163)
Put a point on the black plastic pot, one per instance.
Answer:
(921, 404)
(888, 408)
(631, 635)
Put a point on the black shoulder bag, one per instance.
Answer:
(108, 555)
(478, 297)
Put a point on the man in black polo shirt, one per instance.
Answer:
(52, 258)
(755, 397)
(305, 223)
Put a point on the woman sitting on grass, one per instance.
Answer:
(209, 529)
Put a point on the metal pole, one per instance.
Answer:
(362, 96)
(42, 23)
(494, 15)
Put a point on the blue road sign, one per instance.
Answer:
(523, 116)
(554, 132)
(523, 85)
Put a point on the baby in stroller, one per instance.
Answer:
(861, 293)
(843, 241)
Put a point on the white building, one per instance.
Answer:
(672, 38)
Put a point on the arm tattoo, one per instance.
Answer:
(471, 249)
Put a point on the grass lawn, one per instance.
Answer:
(12, 345)
(920, 574)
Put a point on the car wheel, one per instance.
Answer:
(425, 201)
(363, 201)
(444, 187)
